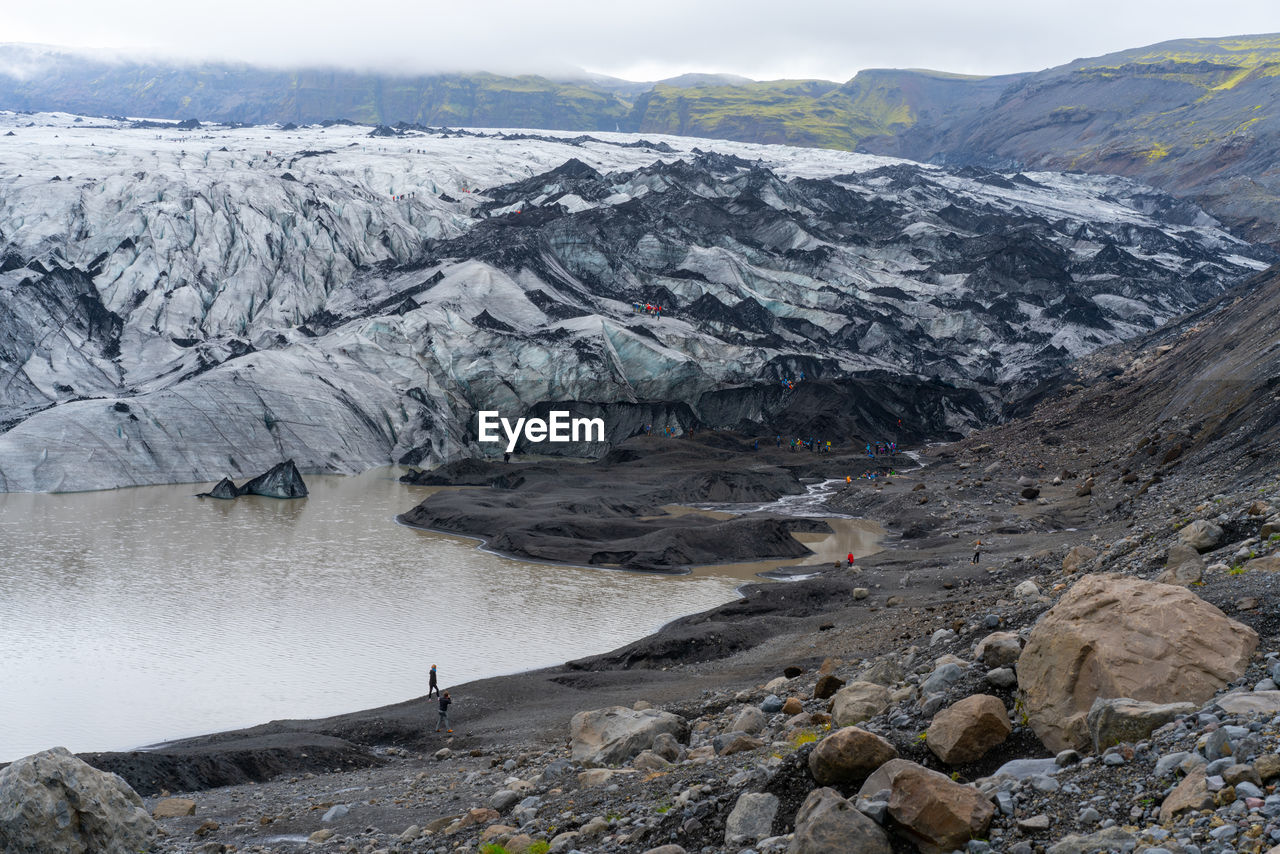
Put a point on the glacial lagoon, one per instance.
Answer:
(134, 616)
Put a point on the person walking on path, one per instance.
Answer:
(443, 720)
(432, 685)
(977, 551)
(850, 558)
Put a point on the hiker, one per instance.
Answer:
(850, 558)
(444, 712)
(432, 685)
(506, 456)
(977, 551)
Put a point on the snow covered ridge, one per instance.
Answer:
(179, 306)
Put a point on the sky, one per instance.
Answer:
(761, 39)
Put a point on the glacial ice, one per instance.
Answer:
(179, 306)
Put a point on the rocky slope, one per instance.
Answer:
(184, 305)
(1195, 116)
(777, 734)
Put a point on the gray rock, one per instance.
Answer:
(1045, 783)
(1113, 759)
(751, 818)
(826, 823)
(1025, 769)
(771, 705)
(749, 720)
(1089, 815)
(1121, 720)
(1245, 789)
(666, 849)
(1217, 745)
(998, 649)
(503, 800)
(616, 734)
(1183, 566)
(666, 746)
(1066, 757)
(1110, 839)
(877, 811)
(1201, 535)
(1169, 763)
(930, 705)
(942, 678)
(335, 812)
(1002, 677)
(54, 803)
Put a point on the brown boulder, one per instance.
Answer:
(848, 756)
(965, 731)
(857, 701)
(792, 706)
(1116, 636)
(1270, 563)
(934, 812)
(827, 686)
(1191, 794)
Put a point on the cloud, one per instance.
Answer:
(757, 38)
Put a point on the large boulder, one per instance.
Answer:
(932, 810)
(1115, 636)
(54, 803)
(1123, 720)
(1201, 535)
(848, 756)
(826, 822)
(858, 701)
(965, 731)
(614, 735)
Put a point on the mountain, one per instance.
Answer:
(183, 304)
(1199, 117)
(1196, 117)
(35, 78)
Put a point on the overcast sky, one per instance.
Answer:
(763, 39)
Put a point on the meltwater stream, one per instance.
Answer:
(140, 615)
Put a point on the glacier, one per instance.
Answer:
(176, 306)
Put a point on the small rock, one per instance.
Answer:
(174, 808)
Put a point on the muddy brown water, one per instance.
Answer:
(135, 616)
